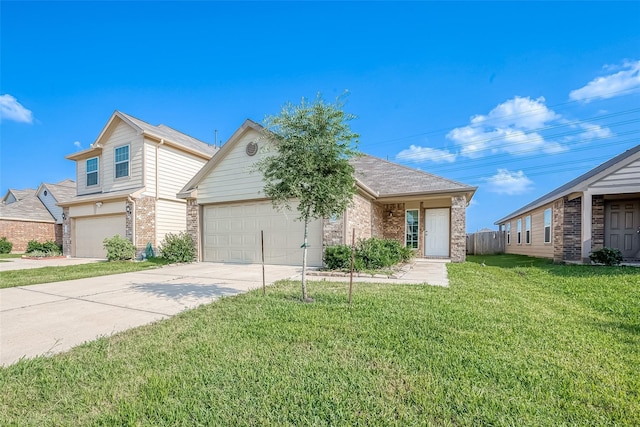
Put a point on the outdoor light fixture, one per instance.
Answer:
(98, 204)
(128, 209)
(64, 216)
(390, 214)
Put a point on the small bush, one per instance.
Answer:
(178, 247)
(606, 256)
(370, 254)
(48, 248)
(118, 248)
(338, 257)
(5, 246)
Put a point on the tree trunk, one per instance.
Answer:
(304, 262)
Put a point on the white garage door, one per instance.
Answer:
(90, 232)
(231, 233)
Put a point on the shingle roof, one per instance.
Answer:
(390, 179)
(572, 185)
(63, 190)
(29, 208)
(170, 134)
(21, 194)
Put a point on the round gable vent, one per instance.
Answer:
(252, 148)
(45, 193)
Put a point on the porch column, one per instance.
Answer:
(586, 225)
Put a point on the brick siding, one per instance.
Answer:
(359, 218)
(572, 230)
(558, 235)
(597, 222)
(145, 223)
(21, 232)
(193, 224)
(458, 229)
(66, 232)
(393, 221)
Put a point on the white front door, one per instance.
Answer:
(436, 234)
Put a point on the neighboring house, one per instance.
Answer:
(227, 210)
(33, 214)
(127, 183)
(14, 195)
(600, 208)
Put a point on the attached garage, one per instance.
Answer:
(231, 233)
(91, 231)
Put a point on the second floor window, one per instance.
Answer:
(122, 161)
(92, 171)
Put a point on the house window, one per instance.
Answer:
(519, 231)
(547, 225)
(527, 229)
(122, 161)
(92, 171)
(508, 233)
(411, 228)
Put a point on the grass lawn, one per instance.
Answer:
(537, 345)
(32, 276)
(6, 256)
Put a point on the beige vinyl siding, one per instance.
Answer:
(233, 179)
(150, 168)
(171, 217)
(624, 180)
(537, 247)
(176, 168)
(91, 208)
(50, 203)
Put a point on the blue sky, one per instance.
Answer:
(516, 98)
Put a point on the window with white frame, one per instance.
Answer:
(508, 233)
(519, 231)
(527, 229)
(92, 171)
(547, 225)
(411, 228)
(122, 161)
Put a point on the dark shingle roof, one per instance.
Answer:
(390, 179)
(170, 134)
(29, 208)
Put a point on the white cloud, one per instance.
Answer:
(11, 109)
(511, 127)
(77, 144)
(509, 183)
(626, 80)
(417, 154)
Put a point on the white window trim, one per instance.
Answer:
(544, 228)
(508, 227)
(519, 230)
(116, 163)
(405, 227)
(527, 230)
(97, 172)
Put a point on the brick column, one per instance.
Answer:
(572, 230)
(597, 222)
(141, 224)
(558, 233)
(66, 233)
(193, 225)
(458, 229)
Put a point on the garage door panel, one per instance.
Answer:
(232, 234)
(90, 233)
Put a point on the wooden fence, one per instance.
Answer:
(485, 243)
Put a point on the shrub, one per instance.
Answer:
(48, 248)
(178, 247)
(118, 248)
(370, 254)
(606, 256)
(338, 257)
(5, 246)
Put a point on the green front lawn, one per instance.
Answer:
(6, 256)
(513, 345)
(32, 276)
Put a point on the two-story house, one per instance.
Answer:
(127, 183)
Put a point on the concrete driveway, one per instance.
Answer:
(54, 317)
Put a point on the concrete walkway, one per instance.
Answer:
(54, 317)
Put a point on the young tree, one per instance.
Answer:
(312, 144)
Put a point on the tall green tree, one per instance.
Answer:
(311, 144)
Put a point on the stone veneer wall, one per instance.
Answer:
(359, 217)
(393, 221)
(572, 230)
(144, 210)
(66, 232)
(597, 222)
(377, 220)
(193, 224)
(458, 229)
(558, 235)
(333, 231)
